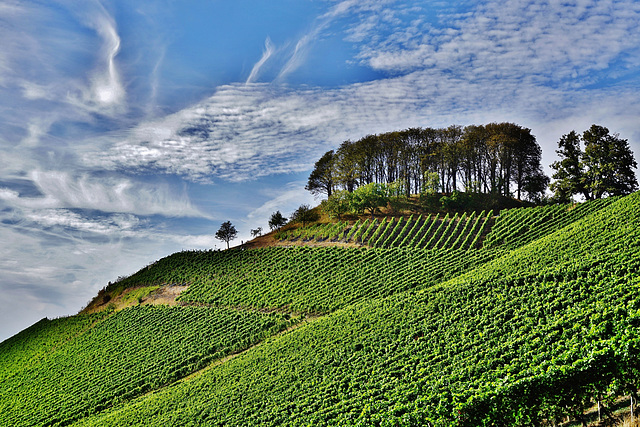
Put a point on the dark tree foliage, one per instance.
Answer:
(277, 220)
(569, 179)
(609, 163)
(226, 233)
(304, 214)
(604, 168)
(321, 178)
(498, 158)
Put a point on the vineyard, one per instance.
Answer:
(121, 356)
(510, 228)
(522, 318)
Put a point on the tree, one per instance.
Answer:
(569, 173)
(277, 220)
(304, 214)
(321, 179)
(370, 196)
(227, 232)
(338, 204)
(604, 168)
(346, 168)
(256, 232)
(609, 163)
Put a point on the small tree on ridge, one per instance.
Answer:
(227, 232)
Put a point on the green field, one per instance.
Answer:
(522, 318)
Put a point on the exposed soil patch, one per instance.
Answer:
(136, 295)
(164, 295)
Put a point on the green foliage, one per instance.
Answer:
(79, 371)
(304, 214)
(371, 196)
(456, 201)
(533, 336)
(338, 204)
(529, 327)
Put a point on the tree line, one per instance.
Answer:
(501, 158)
(496, 158)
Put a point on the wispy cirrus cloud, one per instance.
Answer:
(509, 60)
(107, 194)
(269, 48)
(245, 132)
(87, 154)
(105, 90)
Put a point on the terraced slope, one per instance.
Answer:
(428, 232)
(513, 228)
(527, 339)
(80, 370)
(498, 335)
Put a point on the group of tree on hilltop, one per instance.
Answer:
(497, 158)
(501, 158)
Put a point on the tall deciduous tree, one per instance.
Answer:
(226, 233)
(604, 168)
(609, 163)
(321, 180)
(569, 174)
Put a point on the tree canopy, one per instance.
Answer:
(603, 168)
(304, 214)
(277, 220)
(226, 233)
(499, 158)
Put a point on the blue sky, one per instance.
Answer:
(130, 130)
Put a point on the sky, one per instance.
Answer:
(130, 130)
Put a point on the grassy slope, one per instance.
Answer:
(513, 340)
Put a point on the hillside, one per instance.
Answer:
(524, 318)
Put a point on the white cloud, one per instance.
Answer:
(286, 201)
(52, 262)
(113, 225)
(269, 48)
(106, 194)
(549, 41)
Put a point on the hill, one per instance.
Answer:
(524, 318)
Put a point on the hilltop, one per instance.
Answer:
(524, 316)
